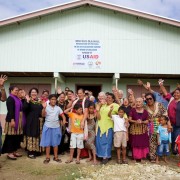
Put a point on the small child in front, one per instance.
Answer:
(51, 134)
(77, 132)
(120, 134)
(163, 138)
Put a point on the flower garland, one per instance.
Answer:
(37, 101)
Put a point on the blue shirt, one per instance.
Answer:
(164, 135)
(52, 116)
(159, 98)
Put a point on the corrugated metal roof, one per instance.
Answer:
(100, 4)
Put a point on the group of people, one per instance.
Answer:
(141, 127)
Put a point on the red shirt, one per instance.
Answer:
(171, 109)
(178, 142)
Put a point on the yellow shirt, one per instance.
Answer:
(105, 122)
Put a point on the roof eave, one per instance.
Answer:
(100, 4)
(42, 12)
(136, 13)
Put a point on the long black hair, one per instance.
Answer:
(33, 89)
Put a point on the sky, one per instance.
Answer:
(165, 8)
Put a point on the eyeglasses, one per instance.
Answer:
(147, 99)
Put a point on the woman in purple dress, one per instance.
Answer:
(139, 139)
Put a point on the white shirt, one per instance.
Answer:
(52, 116)
(119, 123)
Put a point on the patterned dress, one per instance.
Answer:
(90, 143)
(33, 129)
(159, 110)
(139, 139)
(13, 134)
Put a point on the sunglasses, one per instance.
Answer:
(147, 99)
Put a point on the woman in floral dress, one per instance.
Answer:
(155, 110)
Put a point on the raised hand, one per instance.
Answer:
(59, 90)
(103, 101)
(130, 91)
(27, 98)
(114, 89)
(160, 81)
(148, 85)
(111, 107)
(3, 78)
(98, 106)
(178, 85)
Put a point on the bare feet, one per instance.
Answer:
(89, 159)
(143, 161)
(95, 163)
(77, 161)
(157, 161)
(153, 161)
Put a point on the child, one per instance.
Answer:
(51, 135)
(163, 138)
(91, 123)
(177, 147)
(77, 132)
(120, 134)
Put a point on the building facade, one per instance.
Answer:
(88, 44)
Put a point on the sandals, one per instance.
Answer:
(118, 161)
(31, 156)
(11, 157)
(17, 155)
(77, 162)
(124, 162)
(69, 161)
(46, 161)
(57, 160)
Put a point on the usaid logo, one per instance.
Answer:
(91, 56)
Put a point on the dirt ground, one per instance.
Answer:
(32, 169)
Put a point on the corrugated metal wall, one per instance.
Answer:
(129, 45)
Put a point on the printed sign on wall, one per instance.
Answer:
(87, 54)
